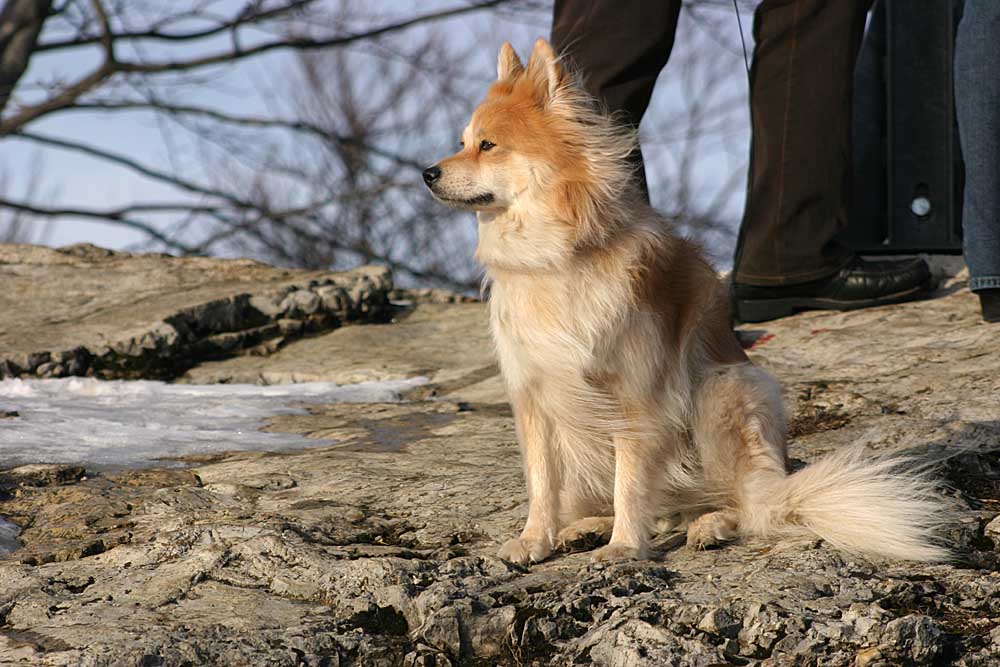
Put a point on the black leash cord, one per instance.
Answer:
(743, 41)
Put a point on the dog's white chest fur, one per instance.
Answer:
(536, 329)
(551, 330)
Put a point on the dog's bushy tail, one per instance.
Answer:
(860, 504)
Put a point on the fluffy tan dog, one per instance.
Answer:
(634, 401)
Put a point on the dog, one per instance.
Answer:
(635, 405)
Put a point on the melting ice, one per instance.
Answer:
(112, 424)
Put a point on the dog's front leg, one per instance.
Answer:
(543, 477)
(636, 472)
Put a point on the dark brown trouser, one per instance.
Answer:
(800, 105)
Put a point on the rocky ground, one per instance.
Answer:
(84, 310)
(377, 546)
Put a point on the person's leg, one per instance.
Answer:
(800, 97)
(619, 48)
(977, 102)
(799, 191)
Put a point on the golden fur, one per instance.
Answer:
(633, 400)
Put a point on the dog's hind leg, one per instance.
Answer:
(712, 528)
(739, 432)
(859, 503)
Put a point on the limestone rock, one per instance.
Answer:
(85, 310)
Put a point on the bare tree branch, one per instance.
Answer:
(106, 38)
(249, 15)
(248, 121)
(124, 161)
(111, 66)
(64, 98)
(301, 43)
(20, 226)
(20, 23)
(117, 217)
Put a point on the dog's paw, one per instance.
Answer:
(617, 552)
(523, 550)
(711, 529)
(585, 534)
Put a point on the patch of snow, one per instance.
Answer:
(116, 424)
(8, 537)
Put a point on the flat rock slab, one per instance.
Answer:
(449, 344)
(380, 550)
(84, 310)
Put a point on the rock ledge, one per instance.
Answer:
(155, 316)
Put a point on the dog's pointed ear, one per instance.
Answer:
(545, 70)
(508, 64)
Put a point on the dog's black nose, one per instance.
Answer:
(431, 174)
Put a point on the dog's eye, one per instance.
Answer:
(461, 143)
(485, 145)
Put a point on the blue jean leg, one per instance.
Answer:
(977, 102)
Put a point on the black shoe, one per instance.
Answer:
(860, 284)
(989, 299)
